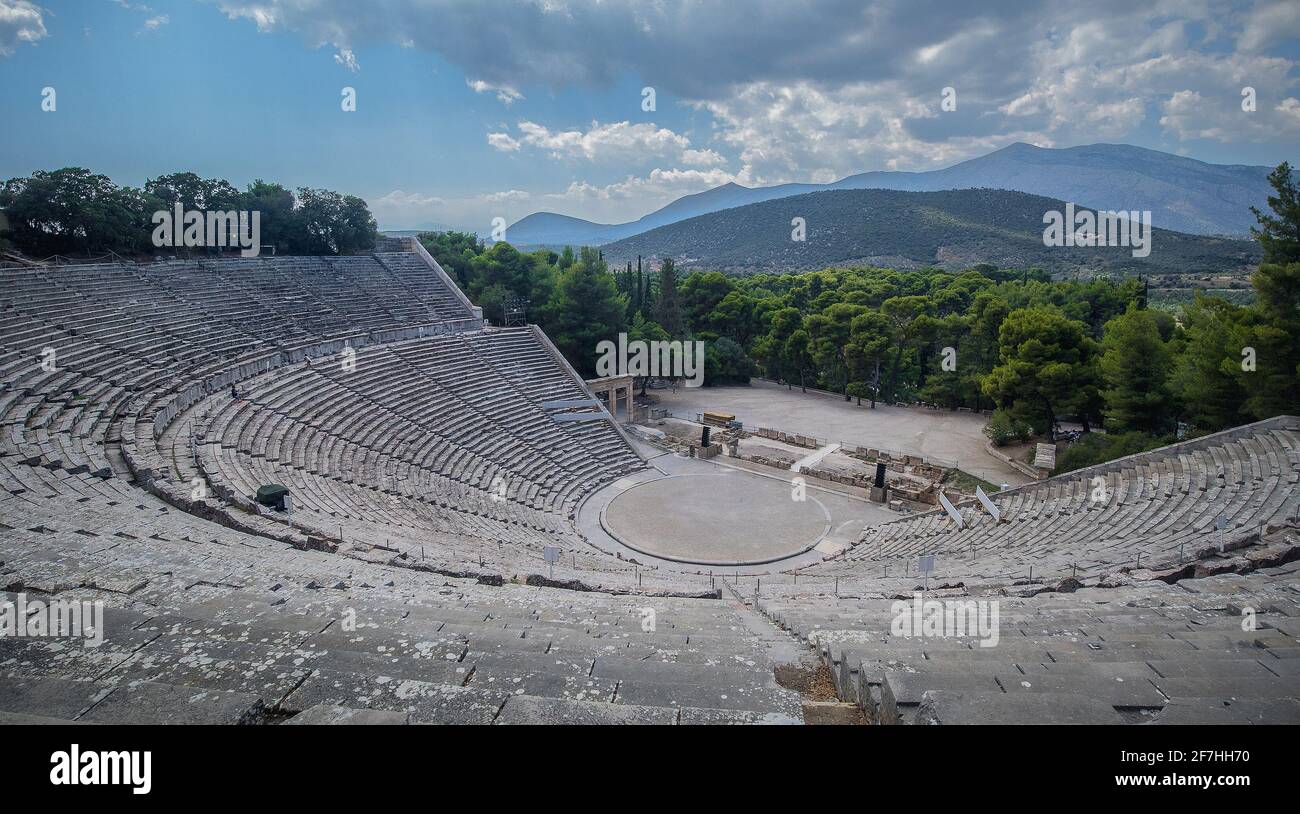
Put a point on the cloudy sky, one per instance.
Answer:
(472, 110)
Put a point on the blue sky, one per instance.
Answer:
(472, 110)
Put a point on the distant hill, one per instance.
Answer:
(951, 229)
(548, 228)
(1183, 194)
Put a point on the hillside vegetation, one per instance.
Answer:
(906, 230)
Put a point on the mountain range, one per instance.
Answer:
(952, 229)
(1182, 194)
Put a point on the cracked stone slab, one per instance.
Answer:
(49, 697)
(213, 664)
(150, 703)
(1240, 711)
(696, 716)
(330, 715)
(550, 685)
(534, 710)
(744, 697)
(62, 658)
(424, 701)
(955, 708)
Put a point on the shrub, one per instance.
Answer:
(1095, 448)
(1003, 429)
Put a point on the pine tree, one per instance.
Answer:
(1046, 370)
(1135, 365)
(1204, 379)
(668, 309)
(1279, 233)
(1272, 332)
(640, 287)
(587, 309)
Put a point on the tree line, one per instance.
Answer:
(1034, 351)
(579, 301)
(75, 212)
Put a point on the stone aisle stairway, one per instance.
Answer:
(794, 664)
(1221, 649)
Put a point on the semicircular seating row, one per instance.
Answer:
(419, 438)
(1156, 509)
(442, 414)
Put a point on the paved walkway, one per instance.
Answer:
(944, 436)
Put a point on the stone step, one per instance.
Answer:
(1218, 668)
(441, 645)
(544, 684)
(1116, 691)
(1188, 711)
(901, 692)
(491, 639)
(1229, 688)
(559, 662)
(693, 716)
(964, 708)
(534, 710)
(330, 715)
(718, 695)
(20, 719)
(679, 672)
(49, 697)
(423, 701)
(154, 703)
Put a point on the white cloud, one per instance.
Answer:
(401, 198)
(824, 87)
(1268, 24)
(152, 22)
(503, 142)
(508, 195)
(819, 89)
(661, 185)
(623, 200)
(703, 158)
(400, 209)
(20, 22)
(805, 133)
(608, 143)
(505, 94)
(347, 59)
(1190, 115)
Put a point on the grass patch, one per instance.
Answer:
(966, 482)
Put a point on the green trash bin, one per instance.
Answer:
(272, 495)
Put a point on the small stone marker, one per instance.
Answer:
(925, 564)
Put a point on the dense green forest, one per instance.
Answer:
(1033, 350)
(75, 212)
